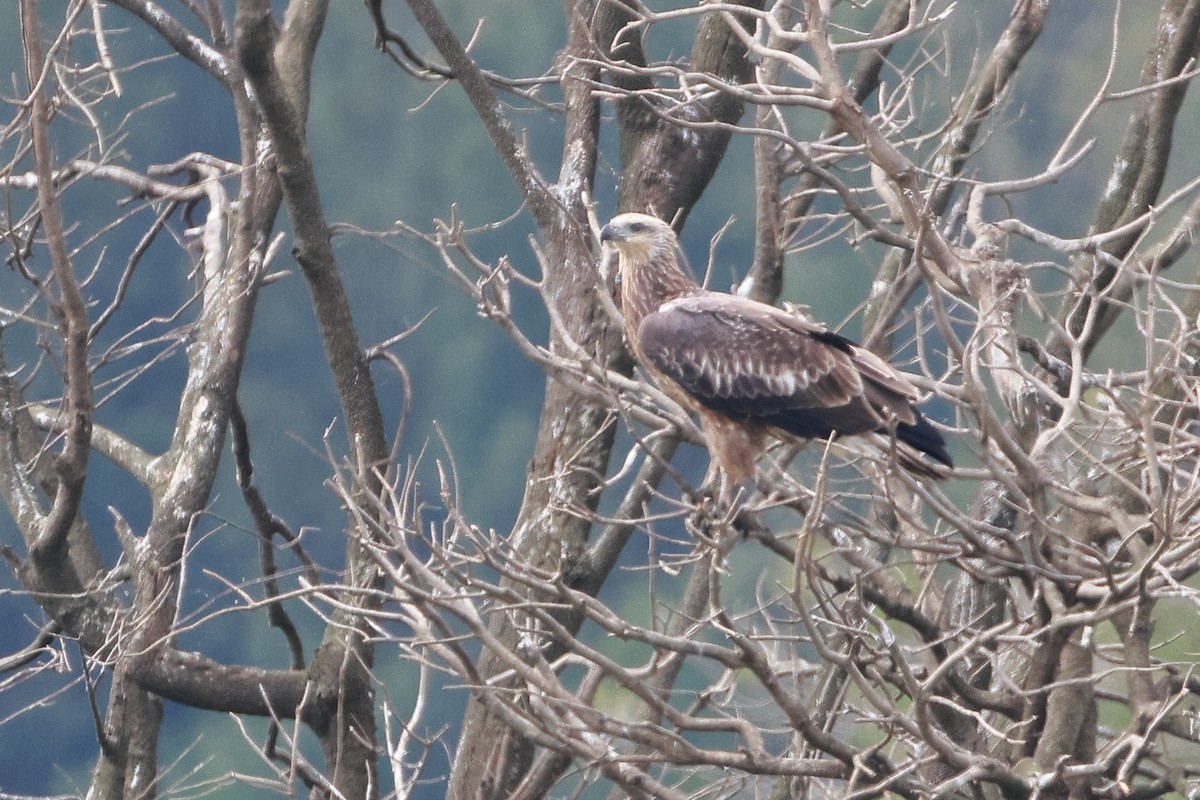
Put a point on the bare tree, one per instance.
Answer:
(844, 629)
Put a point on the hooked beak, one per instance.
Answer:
(611, 233)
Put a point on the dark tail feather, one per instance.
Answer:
(926, 438)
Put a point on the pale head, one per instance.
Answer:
(640, 237)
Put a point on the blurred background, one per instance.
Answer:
(388, 147)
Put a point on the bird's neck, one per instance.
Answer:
(646, 286)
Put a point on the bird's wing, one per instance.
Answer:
(749, 360)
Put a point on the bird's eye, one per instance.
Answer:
(637, 227)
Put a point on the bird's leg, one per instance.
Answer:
(718, 484)
(717, 501)
(714, 491)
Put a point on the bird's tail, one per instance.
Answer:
(924, 437)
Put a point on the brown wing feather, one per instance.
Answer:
(747, 359)
(746, 367)
(757, 363)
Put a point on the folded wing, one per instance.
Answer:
(759, 364)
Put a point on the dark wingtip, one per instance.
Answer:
(925, 438)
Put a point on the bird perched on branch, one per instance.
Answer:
(748, 369)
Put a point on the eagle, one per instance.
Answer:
(748, 369)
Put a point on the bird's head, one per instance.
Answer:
(639, 236)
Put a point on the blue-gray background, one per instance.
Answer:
(385, 150)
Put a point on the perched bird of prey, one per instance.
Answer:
(748, 369)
